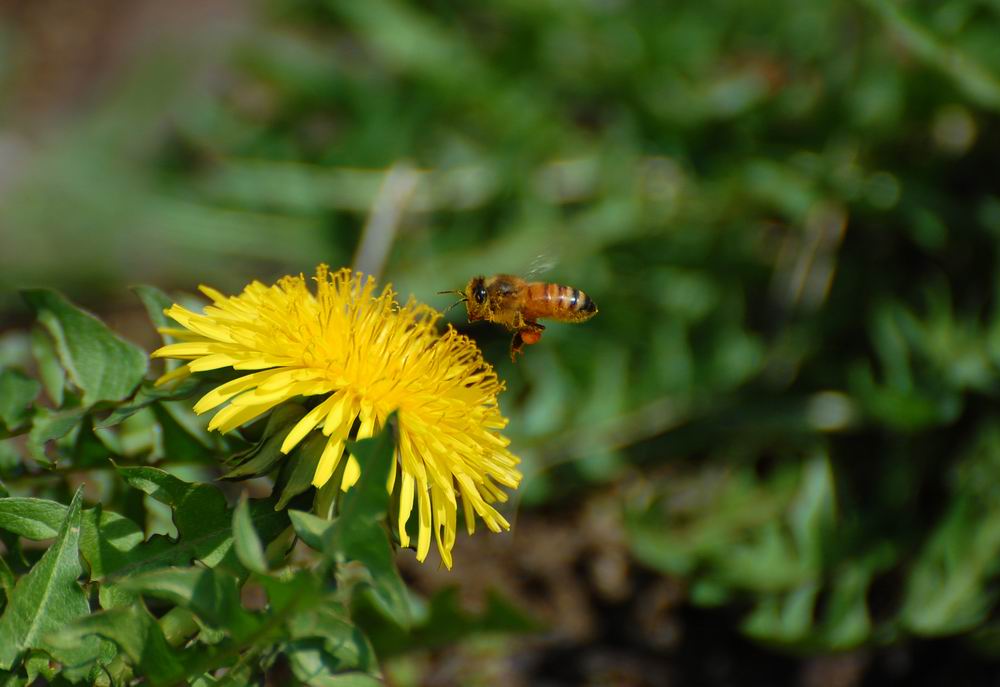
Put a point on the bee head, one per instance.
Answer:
(476, 299)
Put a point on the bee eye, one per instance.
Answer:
(480, 295)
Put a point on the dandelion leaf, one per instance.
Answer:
(101, 364)
(47, 598)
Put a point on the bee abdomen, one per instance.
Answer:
(581, 302)
(559, 302)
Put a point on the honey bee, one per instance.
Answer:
(518, 304)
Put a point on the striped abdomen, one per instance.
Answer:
(557, 302)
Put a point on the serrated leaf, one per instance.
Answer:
(198, 509)
(50, 426)
(210, 594)
(47, 598)
(364, 540)
(314, 665)
(357, 534)
(52, 374)
(105, 537)
(101, 364)
(165, 487)
(37, 665)
(17, 391)
(328, 621)
(204, 523)
(138, 635)
(245, 539)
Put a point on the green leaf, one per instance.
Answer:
(50, 426)
(147, 395)
(89, 450)
(369, 497)
(204, 523)
(288, 587)
(47, 598)
(261, 457)
(99, 362)
(198, 508)
(812, 516)
(155, 302)
(51, 372)
(358, 533)
(10, 461)
(180, 443)
(7, 581)
(31, 518)
(976, 80)
(17, 391)
(12, 679)
(297, 473)
(245, 539)
(367, 543)
(328, 621)
(785, 617)
(107, 541)
(310, 528)
(138, 635)
(846, 622)
(210, 594)
(947, 590)
(444, 623)
(314, 665)
(106, 538)
(39, 666)
(795, 619)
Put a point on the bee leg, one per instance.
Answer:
(516, 346)
(525, 336)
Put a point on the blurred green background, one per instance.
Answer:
(773, 457)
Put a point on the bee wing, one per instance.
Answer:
(540, 265)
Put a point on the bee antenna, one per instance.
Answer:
(452, 291)
(463, 300)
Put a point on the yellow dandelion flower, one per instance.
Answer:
(365, 356)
